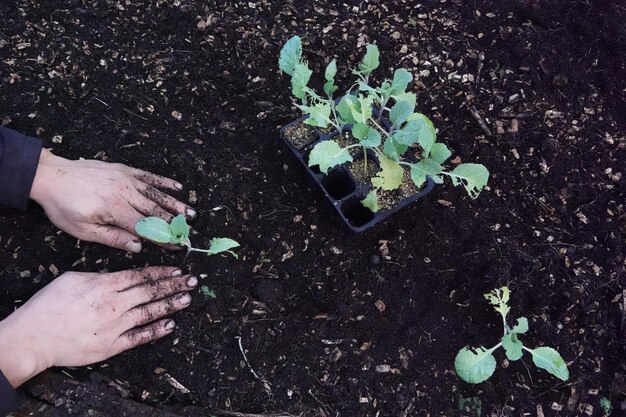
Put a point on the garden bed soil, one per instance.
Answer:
(332, 323)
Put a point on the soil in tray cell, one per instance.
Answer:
(364, 171)
(388, 199)
(300, 134)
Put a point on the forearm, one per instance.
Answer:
(17, 362)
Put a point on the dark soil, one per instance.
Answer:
(336, 324)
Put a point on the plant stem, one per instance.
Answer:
(365, 157)
(382, 129)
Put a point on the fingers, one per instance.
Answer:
(124, 280)
(116, 238)
(148, 313)
(148, 207)
(141, 335)
(168, 202)
(156, 180)
(156, 290)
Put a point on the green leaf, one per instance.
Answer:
(550, 360)
(319, 114)
(440, 153)
(179, 229)
(344, 108)
(360, 130)
(373, 139)
(521, 326)
(390, 175)
(370, 61)
(400, 112)
(474, 367)
(328, 154)
(300, 79)
(394, 149)
(331, 70)
(290, 55)
(330, 88)
(605, 404)
(222, 244)
(474, 177)
(154, 229)
(422, 169)
(512, 346)
(371, 200)
(401, 79)
(207, 292)
(362, 109)
(425, 130)
(499, 298)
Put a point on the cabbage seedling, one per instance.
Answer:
(177, 233)
(355, 111)
(477, 365)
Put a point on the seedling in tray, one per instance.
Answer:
(477, 365)
(177, 233)
(382, 122)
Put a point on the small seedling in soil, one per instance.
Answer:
(177, 233)
(477, 365)
(408, 143)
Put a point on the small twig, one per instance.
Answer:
(480, 120)
(246, 358)
(135, 114)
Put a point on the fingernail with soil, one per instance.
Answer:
(185, 299)
(170, 325)
(176, 272)
(192, 282)
(134, 246)
(191, 213)
(178, 186)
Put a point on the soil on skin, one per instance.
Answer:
(300, 134)
(332, 323)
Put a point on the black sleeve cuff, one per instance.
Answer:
(19, 157)
(9, 398)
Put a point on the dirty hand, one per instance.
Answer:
(82, 318)
(100, 201)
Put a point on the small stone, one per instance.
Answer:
(380, 305)
(375, 260)
(383, 369)
(57, 139)
(177, 115)
(560, 80)
(268, 290)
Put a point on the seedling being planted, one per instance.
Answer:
(378, 120)
(177, 233)
(477, 365)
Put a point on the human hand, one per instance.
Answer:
(100, 201)
(82, 318)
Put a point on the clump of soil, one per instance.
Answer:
(346, 139)
(362, 172)
(388, 199)
(300, 134)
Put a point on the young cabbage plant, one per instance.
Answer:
(176, 232)
(362, 112)
(477, 365)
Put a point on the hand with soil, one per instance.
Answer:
(100, 201)
(82, 318)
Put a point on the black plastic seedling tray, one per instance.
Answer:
(343, 191)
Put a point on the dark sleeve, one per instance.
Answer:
(19, 157)
(9, 398)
